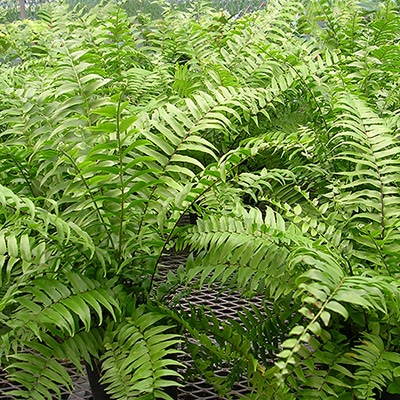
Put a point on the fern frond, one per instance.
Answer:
(215, 343)
(48, 302)
(30, 235)
(44, 374)
(373, 364)
(249, 250)
(326, 292)
(139, 359)
(369, 186)
(266, 325)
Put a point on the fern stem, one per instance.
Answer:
(117, 40)
(312, 95)
(330, 23)
(121, 182)
(90, 194)
(328, 240)
(23, 172)
(380, 253)
(78, 81)
(245, 45)
(198, 11)
(194, 201)
(315, 319)
(382, 199)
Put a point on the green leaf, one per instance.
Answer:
(391, 356)
(338, 308)
(25, 248)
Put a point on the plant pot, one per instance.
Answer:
(98, 390)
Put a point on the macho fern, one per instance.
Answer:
(270, 131)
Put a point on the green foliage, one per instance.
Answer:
(278, 131)
(134, 363)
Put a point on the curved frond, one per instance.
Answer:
(369, 185)
(139, 359)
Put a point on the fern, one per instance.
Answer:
(277, 130)
(330, 292)
(374, 366)
(43, 375)
(134, 363)
(370, 191)
(258, 245)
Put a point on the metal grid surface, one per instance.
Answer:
(224, 306)
(81, 387)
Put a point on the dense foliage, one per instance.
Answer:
(278, 130)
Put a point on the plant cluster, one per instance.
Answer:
(279, 131)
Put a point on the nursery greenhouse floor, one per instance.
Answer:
(223, 306)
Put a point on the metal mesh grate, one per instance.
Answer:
(81, 387)
(224, 306)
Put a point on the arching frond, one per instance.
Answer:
(139, 359)
(369, 185)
